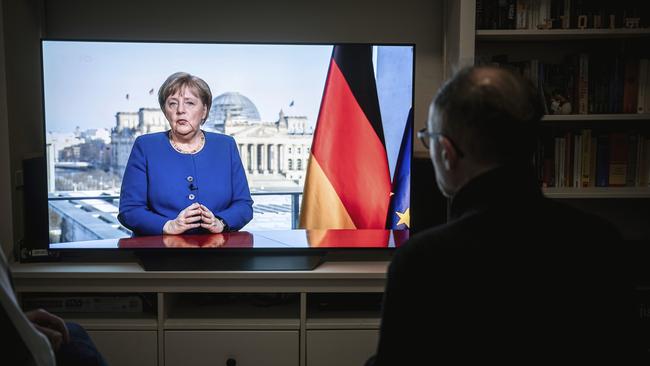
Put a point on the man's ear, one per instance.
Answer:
(448, 153)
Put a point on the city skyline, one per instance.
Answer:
(86, 83)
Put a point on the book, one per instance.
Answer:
(586, 158)
(631, 87)
(568, 160)
(641, 88)
(480, 14)
(561, 162)
(583, 83)
(647, 88)
(617, 159)
(592, 162)
(632, 155)
(577, 161)
(602, 160)
(646, 167)
(522, 14)
(644, 161)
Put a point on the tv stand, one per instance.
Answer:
(210, 260)
(326, 316)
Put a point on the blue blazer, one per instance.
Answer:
(159, 182)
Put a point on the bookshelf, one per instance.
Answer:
(596, 117)
(597, 192)
(515, 35)
(509, 34)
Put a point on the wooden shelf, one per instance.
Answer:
(596, 117)
(195, 323)
(371, 321)
(598, 192)
(557, 34)
(196, 311)
(113, 321)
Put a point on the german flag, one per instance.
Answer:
(348, 181)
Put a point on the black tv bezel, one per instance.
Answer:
(41, 252)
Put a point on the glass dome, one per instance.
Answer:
(232, 105)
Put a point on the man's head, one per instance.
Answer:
(483, 117)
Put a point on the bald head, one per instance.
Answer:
(492, 114)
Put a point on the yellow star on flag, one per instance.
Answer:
(404, 218)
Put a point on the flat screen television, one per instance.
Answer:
(282, 103)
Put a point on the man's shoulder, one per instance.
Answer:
(454, 234)
(427, 245)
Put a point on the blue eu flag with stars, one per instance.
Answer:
(399, 216)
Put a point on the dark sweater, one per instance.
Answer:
(512, 278)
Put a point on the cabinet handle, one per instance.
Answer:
(231, 362)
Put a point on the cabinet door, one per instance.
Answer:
(340, 347)
(247, 348)
(127, 348)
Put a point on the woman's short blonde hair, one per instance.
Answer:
(179, 80)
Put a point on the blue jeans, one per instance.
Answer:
(80, 350)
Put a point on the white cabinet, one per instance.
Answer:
(127, 348)
(328, 316)
(245, 348)
(340, 347)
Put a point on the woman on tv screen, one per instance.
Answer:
(184, 180)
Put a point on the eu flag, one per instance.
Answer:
(399, 215)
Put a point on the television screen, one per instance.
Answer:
(303, 117)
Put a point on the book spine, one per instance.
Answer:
(620, 84)
(511, 18)
(544, 12)
(561, 159)
(602, 161)
(583, 84)
(480, 14)
(644, 165)
(557, 9)
(592, 162)
(646, 85)
(632, 155)
(641, 88)
(577, 161)
(533, 14)
(617, 159)
(640, 161)
(522, 14)
(613, 85)
(630, 91)
(568, 159)
(556, 161)
(586, 156)
(567, 11)
(502, 14)
(593, 83)
(645, 169)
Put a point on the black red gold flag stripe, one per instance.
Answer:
(348, 181)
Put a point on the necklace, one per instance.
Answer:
(193, 151)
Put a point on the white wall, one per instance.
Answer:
(412, 21)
